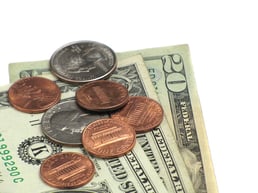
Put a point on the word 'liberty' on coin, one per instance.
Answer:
(102, 95)
(34, 94)
(67, 170)
(108, 138)
(142, 113)
(83, 61)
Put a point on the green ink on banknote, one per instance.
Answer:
(7, 160)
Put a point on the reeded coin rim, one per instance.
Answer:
(45, 128)
(46, 122)
(64, 78)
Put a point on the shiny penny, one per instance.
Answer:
(67, 170)
(108, 138)
(83, 61)
(64, 122)
(142, 113)
(102, 95)
(34, 94)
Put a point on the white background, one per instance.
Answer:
(223, 39)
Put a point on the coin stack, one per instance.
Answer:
(103, 118)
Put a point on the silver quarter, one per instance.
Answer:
(83, 61)
(64, 122)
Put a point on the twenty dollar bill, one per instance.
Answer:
(172, 75)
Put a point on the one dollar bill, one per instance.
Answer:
(23, 147)
(171, 71)
(159, 145)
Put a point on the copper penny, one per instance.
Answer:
(108, 138)
(102, 95)
(143, 113)
(34, 94)
(67, 170)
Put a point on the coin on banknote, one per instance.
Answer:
(102, 95)
(108, 138)
(142, 113)
(83, 61)
(34, 94)
(64, 122)
(67, 170)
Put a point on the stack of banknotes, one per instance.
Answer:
(174, 157)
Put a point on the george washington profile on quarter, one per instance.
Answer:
(64, 122)
(83, 61)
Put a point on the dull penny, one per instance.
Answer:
(67, 170)
(34, 94)
(143, 113)
(102, 95)
(108, 138)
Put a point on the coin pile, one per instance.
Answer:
(103, 117)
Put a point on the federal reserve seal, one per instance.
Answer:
(36, 149)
